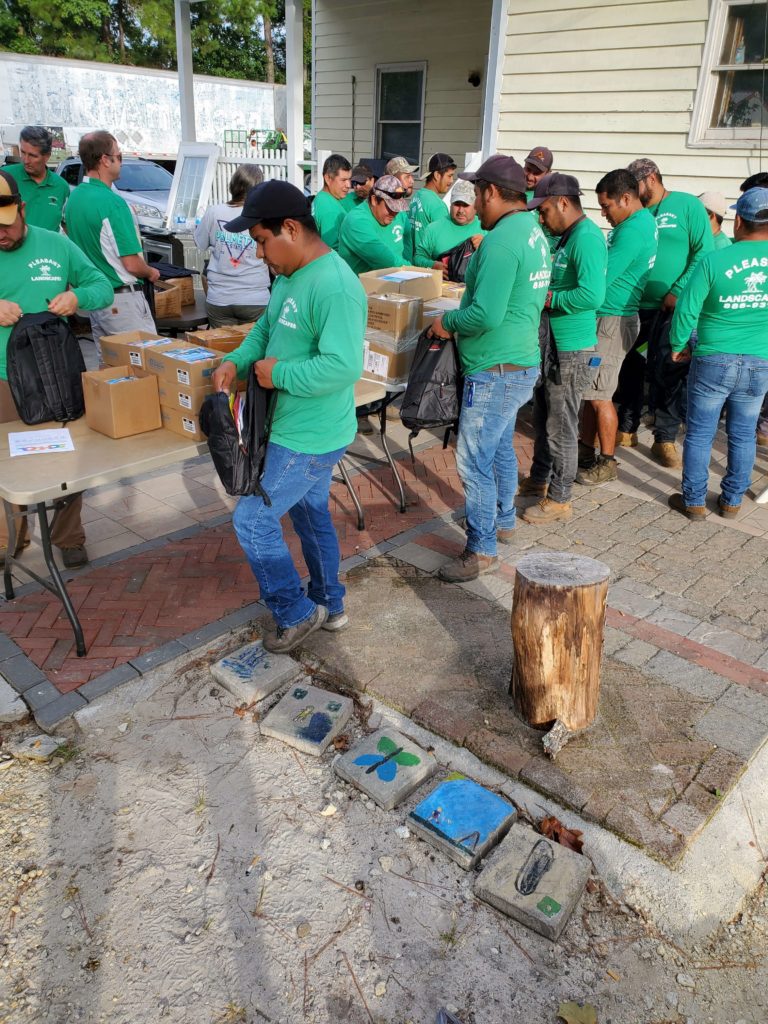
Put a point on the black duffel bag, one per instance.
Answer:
(44, 365)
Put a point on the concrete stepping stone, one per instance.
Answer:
(534, 881)
(36, 748)
(251, 673)
(387, 767)
(307, 718)
(12, 707)
(463, 819)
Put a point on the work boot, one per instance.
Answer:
(693, 512)
(468, 566)
(666, 454)
(762, 440)
(528, 488)
(602, 471)
(626, 440)
(74, 558)
(548, 511)
(727, 511)
(506, 536)
(285, 638)
(364, 425)
(587, 455)
(336, 622)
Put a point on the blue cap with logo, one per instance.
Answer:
(753, 206)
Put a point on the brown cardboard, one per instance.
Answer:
(131, 348)
(167, 300)
(176, 396)
(386, 365)
(393, 317)
(187, 288)
(189, 365)
(428, 285)
(222, 339)
(122, 408)
(453, 290)
(435, 308)
(181, 422)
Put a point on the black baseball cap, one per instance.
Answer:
(554, 185)
(439, 163)
(361, 173)
(500, 170)
(272, 200)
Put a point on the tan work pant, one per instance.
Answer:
(66, 530)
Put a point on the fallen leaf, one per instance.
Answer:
(573, 1013)
(341, 742)
(614, 975)
(555, 830)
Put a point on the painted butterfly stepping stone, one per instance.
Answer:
(463, 819)
(307, 718)
(534, 881)
(387, 767)
(251, 673)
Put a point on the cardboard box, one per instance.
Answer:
(187, 288)
(177, 396)
(131, 347)
(386, 365)
(183, 423)
(393, 317)
(435, 308)
(453, 290)
(167, 300)
(121, 401)
(222, 339)
(189, 365)
(424, 284)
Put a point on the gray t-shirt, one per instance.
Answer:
(236, 275)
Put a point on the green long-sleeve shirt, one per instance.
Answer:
(426, 208)
(314, 326)
(631, 255)
(507, 280)
(43, 266)
(439, 237)
(578, 287)
(367, 245)
(685, 235)
(328, 212)
(726, 299)
(721, 240)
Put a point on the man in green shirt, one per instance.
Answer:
(538, 163)
(42, 271)
(715, 204)
(631, 254)
(497, 336)
(102, 224)
(43, 192)
(569, 363)
(436, 240)
(684, 237)
(427, 203)
(373, 234)
(361, 183)
(328, 205)
(726, 300)
(308, 347)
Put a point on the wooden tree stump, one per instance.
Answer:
(557, 633)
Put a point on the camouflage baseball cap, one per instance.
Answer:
(399, 165)
(390, 189)
(463, 192)
(643, 167)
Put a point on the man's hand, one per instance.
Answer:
(438, 331)
(224, 377)
(63, 304)
(476, 240)
(683, 356)
(153, 275)
(669, 302)
(264, 372)
(10, 313)
(442, 267)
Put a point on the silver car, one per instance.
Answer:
(144, 185)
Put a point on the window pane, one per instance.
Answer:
(740, 101)
(400, 140)
(400, 95)
(744, 40)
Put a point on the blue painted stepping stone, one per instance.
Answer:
(251, 673)
(307, 718)
(463, 819)
(387, 767)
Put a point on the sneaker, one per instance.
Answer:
(532, 488)
(626, 440)
(727, 511)
(336, 622)
(548, 511)
(587, 455)
(601, 472)
(468, 566)
(285, 638)
(666, 454)
(74, 558)
(693, 512)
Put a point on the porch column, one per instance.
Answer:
(294, 89)
(184, 62)
(493, 77)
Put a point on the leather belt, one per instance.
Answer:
(504, 368)
(127, 288)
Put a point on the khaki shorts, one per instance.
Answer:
(615, 337)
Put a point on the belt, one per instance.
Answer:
(127, 288)
(504, 368)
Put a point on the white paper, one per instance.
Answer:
(404, 275)
(40, 442)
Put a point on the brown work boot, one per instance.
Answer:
(532, 488)
(74, 558)
(626, 440)
(602, 471)
(693, 512)
(506, 536)
(762, 440)
(666, 454)
(548, 511)
(587, 455)
(727, 511)
(468, 566)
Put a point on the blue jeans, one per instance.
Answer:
(739, 383)
(485, 454)
(299, 485)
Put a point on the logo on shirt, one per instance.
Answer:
(397, 232)
(45, 270)
(666, 220)
(753, 294)
(754, 280)
(288, 314)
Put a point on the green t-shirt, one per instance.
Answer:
(45, 200)
(314, 326)
(426, 208)
(726, 300)
(351, 200)
(102, 224)
(366, 245)
(721, 240)
(41, 268)
(685, 235)
(328, 212)
(440, 236)
(507, 280)
(578, 287)
(631, 255)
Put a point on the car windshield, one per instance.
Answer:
(141, 176)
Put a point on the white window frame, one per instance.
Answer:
(702, 134)
(419, 65)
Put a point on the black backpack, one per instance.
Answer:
(457, 259)
(432, 398)
(44, 366)
(239, 461)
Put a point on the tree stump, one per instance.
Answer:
(557, 633)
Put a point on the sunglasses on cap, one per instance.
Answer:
(401, 193)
